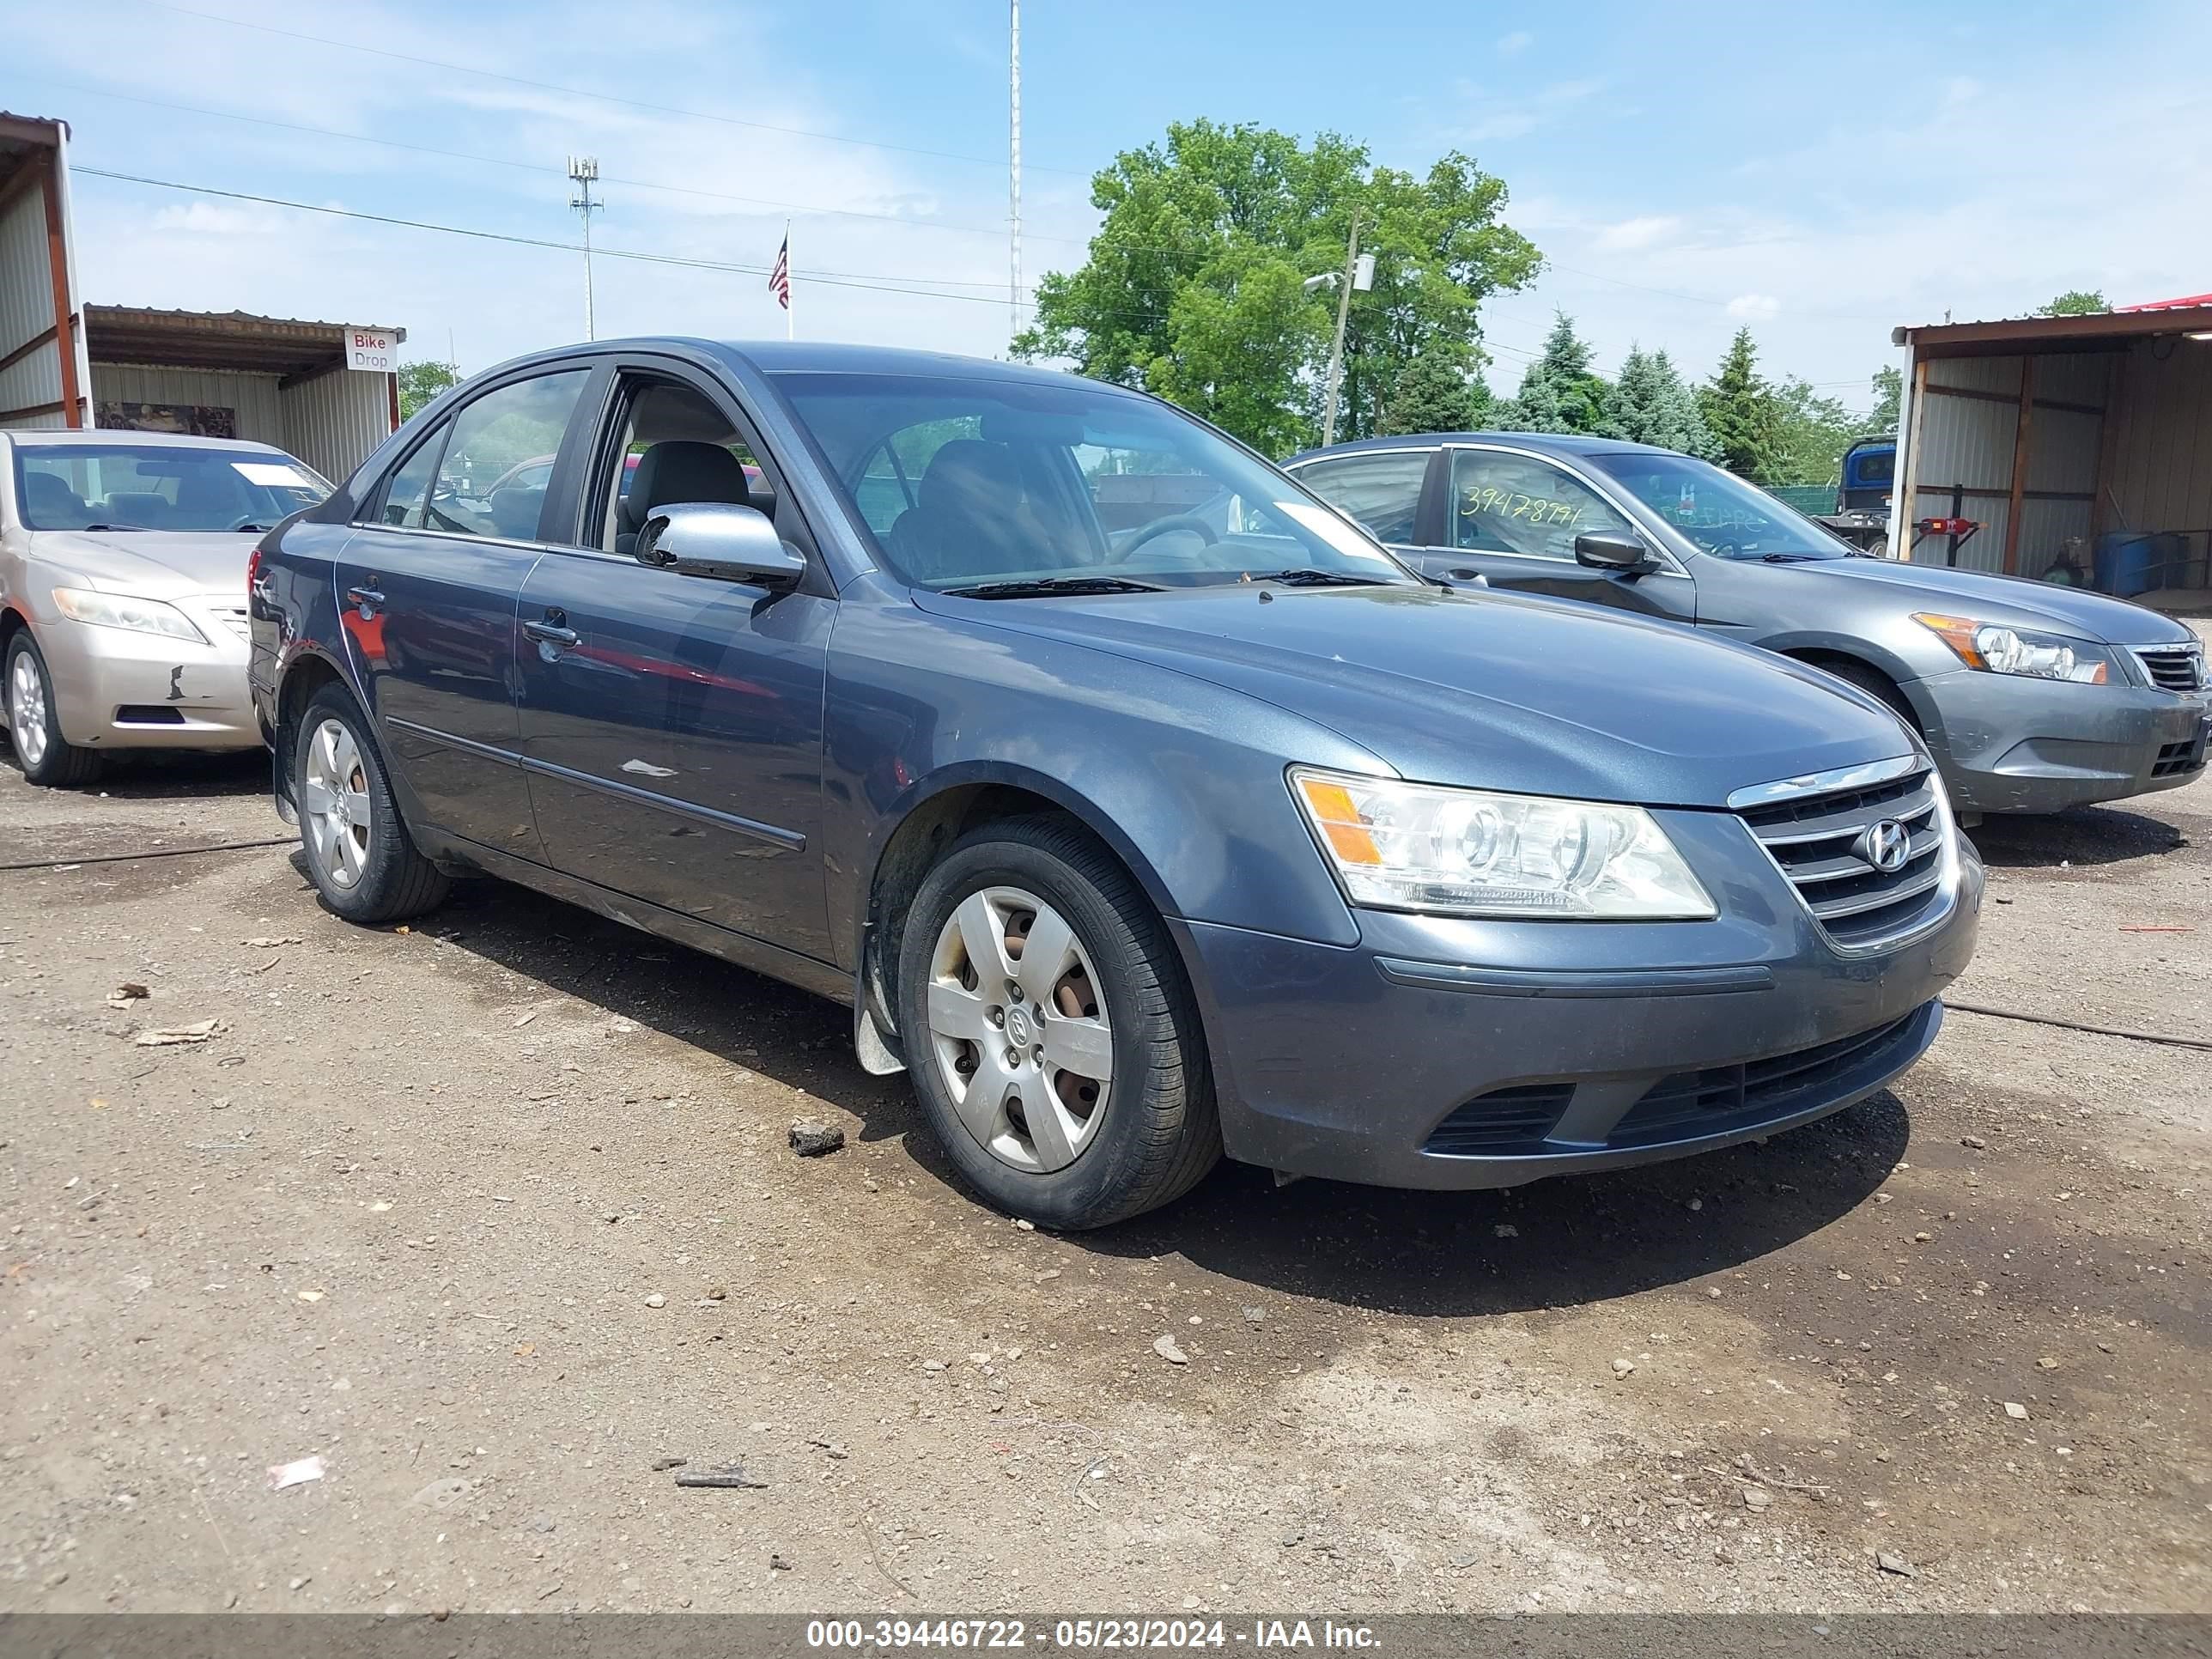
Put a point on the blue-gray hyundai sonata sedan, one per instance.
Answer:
(1136, 834)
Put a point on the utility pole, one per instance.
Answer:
(585, 171)
(1014, 169)
(1343, 313)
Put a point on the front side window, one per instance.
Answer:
(677, 447)
(407, 497)
(970, 482)
(1718, 512)
(1382, 490)
(498, 463)
(97, 486)
(1507, 503)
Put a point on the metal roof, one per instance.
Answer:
(2100, 331)
(208, 339)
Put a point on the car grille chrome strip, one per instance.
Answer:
(1831, 845)
(2172, 668)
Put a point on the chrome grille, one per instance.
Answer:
(1820, 838)
(2173, 667)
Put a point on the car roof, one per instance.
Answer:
(1539, 443)
(117, 434)
(823, 357)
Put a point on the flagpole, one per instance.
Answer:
(789, 321)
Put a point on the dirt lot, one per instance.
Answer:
(497, 1215)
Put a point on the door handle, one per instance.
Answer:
(367, 598)
(1463, 576)
(553, 630)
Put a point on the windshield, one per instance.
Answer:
(96, 486)
(970, 482)
(1717, 512)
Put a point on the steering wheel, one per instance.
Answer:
(249, 521)
(1159, 527)
(1722, 550)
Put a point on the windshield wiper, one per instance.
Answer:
(115, 527)
(1310, 578)
(1041, 586)
(1790, 558)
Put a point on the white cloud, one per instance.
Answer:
(1519, 42)
(1755, 308)
(1644, 231)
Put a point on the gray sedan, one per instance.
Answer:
(123, 590)
(2031, 696)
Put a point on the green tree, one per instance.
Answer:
(1560, 391)
(1437, 392)
(1811, 433)
(420, 382)
(1194, 285)
(1888, 395)
(1650, 403)
(2075, 302)
(1740, 410)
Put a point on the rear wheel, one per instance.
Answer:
(34, 725)
(362, 859)
(1049, 1031)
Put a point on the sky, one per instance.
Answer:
(1820, 174)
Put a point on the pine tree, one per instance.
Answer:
(1650, 403)
(1436, 392)
(1739, 407)
(1560, 392)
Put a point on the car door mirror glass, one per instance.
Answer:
(720, 542)
(1625, 554)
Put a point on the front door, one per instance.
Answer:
(672, 726)
(1512, 517)
(428, 585)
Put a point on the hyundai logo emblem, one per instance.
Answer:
(1885, 846)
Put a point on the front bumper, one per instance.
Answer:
(1454, 1053)
(117, 689)
(2007, 744)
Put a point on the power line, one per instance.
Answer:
(993, 231)
(655, 105)
(835, 279)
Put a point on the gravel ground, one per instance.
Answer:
(496, 1218)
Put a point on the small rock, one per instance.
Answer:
(812, 1138)
(1757, 1497)
(301, 1583)
(1505, 1230)
(128, 992)
(2014, 1410)
(1922, 1238)
(1165, 1347)
(656, 1300)
(2046, 1364)
(933, 1365)
(1025, 1223)
(1896, 1563)
(781, 1563)
(1623, 1367)
(1254, 1317)
(662, 1465)
(1974, 1141)
(717, 1292)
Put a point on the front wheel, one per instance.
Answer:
(1049, 1031)
(35, 723)
(362, 859)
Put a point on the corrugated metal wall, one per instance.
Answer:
(1967, 448)
(334, 420)
(27, 311)
(330, 422)
(2162, 475)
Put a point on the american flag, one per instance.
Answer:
(779, 280)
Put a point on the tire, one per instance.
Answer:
(34, 725)
(367, 870)
(1874, 684)
(1149, 1130)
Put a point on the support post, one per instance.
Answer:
(1336, 350)
(2019, 441)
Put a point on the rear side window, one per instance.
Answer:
(496, 466)
(1382, 491)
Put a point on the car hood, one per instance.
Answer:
(153, 564)
(1491, 691)
(2009, 599)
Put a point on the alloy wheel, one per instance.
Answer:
(27, 709)
(334, 796)
(1019, 1029)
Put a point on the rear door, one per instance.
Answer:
(671, 725)
(429, 584)
(1512, 516)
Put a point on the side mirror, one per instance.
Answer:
(720, 542)
(1624, 555)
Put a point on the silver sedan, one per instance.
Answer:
(123, 614)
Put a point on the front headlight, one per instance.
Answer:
(2000, 648)
(1472, 853)
(121, 611)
